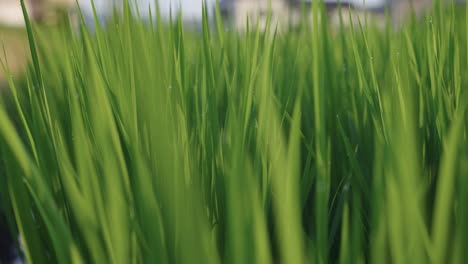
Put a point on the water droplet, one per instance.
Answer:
(32, 215)
(346, 187)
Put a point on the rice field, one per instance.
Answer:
(152, 143)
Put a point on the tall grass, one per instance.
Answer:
(148, 143)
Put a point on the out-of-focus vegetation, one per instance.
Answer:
(14, 42)
(148, 143)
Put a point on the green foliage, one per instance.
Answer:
(150, 143)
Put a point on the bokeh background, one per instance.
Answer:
(50, 12)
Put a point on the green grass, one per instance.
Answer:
(154, 144)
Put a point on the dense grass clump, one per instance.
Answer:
(148, 143)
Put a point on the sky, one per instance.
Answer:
(190, 9)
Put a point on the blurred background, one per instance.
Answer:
(51, 12)
(191, 10)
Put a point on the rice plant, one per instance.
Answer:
(151, 143)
